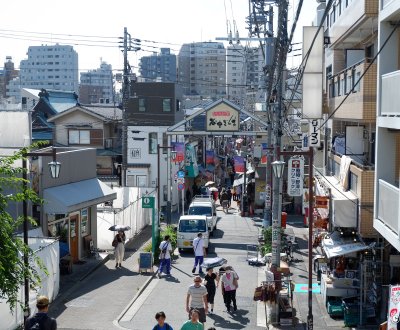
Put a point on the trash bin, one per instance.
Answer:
(283, 219)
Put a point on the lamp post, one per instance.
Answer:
(173, 156)
(310, 155)
(54, 168)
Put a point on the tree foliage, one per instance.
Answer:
(12, 247)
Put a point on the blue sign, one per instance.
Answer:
(181, 174)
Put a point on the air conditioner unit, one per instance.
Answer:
(108, 143)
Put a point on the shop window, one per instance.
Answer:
(153, 137)
(141, 180)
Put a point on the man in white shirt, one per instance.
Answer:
(199, 252)
(165, 256)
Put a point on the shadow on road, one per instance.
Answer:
(238, 320)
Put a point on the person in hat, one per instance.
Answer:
(41, 320)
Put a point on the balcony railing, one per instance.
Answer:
(390, 97)
(388, 205)
(385, 3)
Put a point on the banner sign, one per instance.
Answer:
(264, 151)
(315, 134)
(179, 147)
(222, 119)
(394, 307)
(295, 176)
(191, 162)
(210, 157)
(239, 164)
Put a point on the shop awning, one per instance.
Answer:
(74, 196)
(337, 245)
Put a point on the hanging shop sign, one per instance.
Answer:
(191, 162)
(321, 202)
(295, 176)
(179, 148)
(210, 157)
(315, 134)
(394, 307)
(239, 164)
(268, 196)
(222, 118)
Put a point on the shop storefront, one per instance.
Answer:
(71, 213)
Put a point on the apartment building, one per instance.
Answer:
(158, 67)
(351, 37)
(97, 86)
(52, 67)
(387, 167)
(202, 69)
(6, 74)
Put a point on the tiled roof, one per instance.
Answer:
(110, 112)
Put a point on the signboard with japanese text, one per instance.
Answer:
(394, 307)
(192, 169)
(295, 176)
(314, 134)
(179, 148)
(268, 196)
(222, 118)
(148, 202)
(304, 142)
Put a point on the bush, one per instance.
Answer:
(266, 247)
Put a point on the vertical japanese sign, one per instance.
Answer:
(394, 307)
(210, 157)
(179, 147)
(268, 196)
(314, 135)
(191, 162)
(239, 164)
(295, 177)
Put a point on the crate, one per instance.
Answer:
(335, 308)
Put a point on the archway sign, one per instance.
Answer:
(222, 117)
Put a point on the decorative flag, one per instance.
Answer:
(210, 157)
(179, 147)
(239, 164)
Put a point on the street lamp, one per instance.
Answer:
(278, 167)
(54, 168)
(173, 157)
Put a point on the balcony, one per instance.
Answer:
(361, 103)
(390, 97)
(388, 205)
(351, 22)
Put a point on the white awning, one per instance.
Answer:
(74, 196)
(337, 245)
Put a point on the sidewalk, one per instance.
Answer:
(95, 293)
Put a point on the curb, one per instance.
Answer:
(137, 295)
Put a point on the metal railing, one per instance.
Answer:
(388, 205)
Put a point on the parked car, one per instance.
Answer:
(188, 228)
(204, 206)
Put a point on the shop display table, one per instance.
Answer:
(329, 290)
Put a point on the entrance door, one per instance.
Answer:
(74, 237)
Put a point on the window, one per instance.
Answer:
(357, 76)
(353, 182)
(349, 84)
(166, 105)
(141, 180)
(142, 105)
(339, 87)
(79, 137)
(153, 137)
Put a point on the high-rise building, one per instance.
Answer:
(53, 67)
(158, 67)
(202, 69)
(97, 86)
(6, 74)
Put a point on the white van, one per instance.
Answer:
(204, 206)
(188, 228)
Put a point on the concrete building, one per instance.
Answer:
(6, 75)
(387, 164)
(158, 67)
(97, 86)
(202, 69)
(50, 67)
(151, 111)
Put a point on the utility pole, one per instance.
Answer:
(127, 46)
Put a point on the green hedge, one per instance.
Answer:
(169, 230)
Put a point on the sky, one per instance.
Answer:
(100, 24)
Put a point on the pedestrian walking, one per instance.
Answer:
(165, 256)
(221, 272)
(196, 298)
(161, 324)
(119, 248)
(41, 320)
(210, 279)
(229, 282)
(199, 252)
(229, 193)
(193, 323)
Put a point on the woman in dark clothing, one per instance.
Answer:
(210, 279)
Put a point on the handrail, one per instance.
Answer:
(353, 66)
